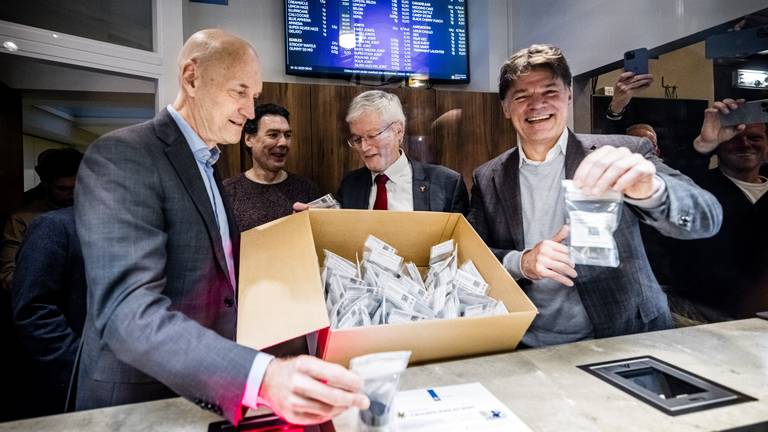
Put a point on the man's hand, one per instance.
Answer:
(300, 207)
(712, 133)
(307, 390)
(627, 86)
(549, 259)
(616, 168)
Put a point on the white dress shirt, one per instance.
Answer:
(399, 185)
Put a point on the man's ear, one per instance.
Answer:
(190, 76)
(507, 115)
(248, 140)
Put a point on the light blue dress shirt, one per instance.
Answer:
(205, 159)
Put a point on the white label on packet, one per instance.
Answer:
(591, 229)
(386, 260)
(469, 282)
(394, 293)
(373, 242)
(440, 251)
(470, 268)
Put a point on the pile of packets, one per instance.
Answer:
(384, 289)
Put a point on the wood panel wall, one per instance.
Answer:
(460, 130)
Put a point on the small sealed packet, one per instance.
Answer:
(372, 243)
(381, 377)
(325, 201)
(441, 251)
(592, 220)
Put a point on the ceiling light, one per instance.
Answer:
(10, 46)
(347, 40)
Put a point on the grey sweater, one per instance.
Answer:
(562, 317)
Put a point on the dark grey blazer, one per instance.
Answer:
(620, 300)
(161, 318)
(435, 188)
(49, 302)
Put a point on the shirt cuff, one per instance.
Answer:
(512, 262)
(255, 377)
(656, 199)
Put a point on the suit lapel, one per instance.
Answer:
(234, 230)
(361, 192)
(420, 185)
(183, 162)
(574, 154)
(506, 181)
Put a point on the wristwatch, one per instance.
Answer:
(610, 115)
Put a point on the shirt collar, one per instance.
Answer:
(556, 150)
(398, 171)
(199, 148)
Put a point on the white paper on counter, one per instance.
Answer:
(464, 407)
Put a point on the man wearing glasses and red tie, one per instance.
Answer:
(390, 180)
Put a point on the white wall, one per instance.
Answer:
(261, 23)
(593, 33)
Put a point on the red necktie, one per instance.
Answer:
(381, 192)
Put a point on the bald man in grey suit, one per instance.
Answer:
(160, 248)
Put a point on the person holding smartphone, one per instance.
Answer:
(725, 276)
(627, 86)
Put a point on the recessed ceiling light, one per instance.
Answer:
(10, 46)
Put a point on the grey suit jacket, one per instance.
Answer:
(620, 300)
(435, 188)
(161, 318)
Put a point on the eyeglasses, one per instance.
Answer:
(355, 141)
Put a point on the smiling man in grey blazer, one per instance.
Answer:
(160, 247)
(518, 209)
(390, 180)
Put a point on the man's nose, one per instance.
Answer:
(535, 101)
(248, 110)
(365, 144)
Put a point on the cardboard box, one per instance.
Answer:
(281, 296)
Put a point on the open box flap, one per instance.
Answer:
(280, 294)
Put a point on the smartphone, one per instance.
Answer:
(636, 61)
(751, 112)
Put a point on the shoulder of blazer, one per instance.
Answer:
(433, 171)
(592, 141)
(494, 164)
(166, 129)
(355, 176)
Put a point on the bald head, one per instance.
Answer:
(214, 46)
(219, 78)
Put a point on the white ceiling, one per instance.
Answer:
(75, 105)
